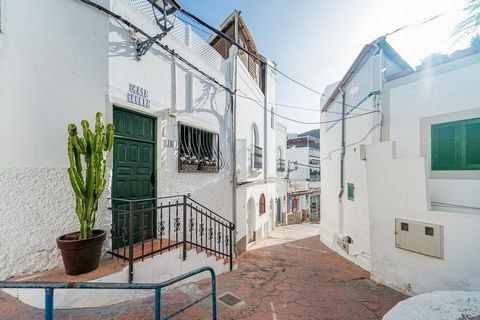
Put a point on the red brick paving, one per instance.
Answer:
(298, 280)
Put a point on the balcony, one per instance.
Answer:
(256, 158)
(280, 165)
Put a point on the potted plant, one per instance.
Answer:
(208, 165)
(81, 250)
(188, 163)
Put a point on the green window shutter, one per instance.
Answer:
(456, 145)
(444, 146)
(351, 191)
(472, 144)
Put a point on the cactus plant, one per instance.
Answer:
(94, 147)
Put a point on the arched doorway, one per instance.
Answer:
(251, 213)
(279, 212)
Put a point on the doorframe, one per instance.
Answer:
(116, 106)
(155, 136)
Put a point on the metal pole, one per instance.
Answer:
(214, 295)
(158, 306)
(184, 227)
(49, 304)
(130, 244)
(231, 247)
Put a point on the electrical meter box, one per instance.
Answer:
(421, 237)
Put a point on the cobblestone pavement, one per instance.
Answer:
(282, 278)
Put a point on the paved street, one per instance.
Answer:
(292, 275)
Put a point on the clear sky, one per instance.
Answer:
(315, 41)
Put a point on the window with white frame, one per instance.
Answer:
(198, 150)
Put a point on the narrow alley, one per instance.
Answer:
(290, 275)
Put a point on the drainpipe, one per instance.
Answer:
(265, 126)
(342, 153)
(233, 103)
(342, 168)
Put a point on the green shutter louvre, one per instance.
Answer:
(444, 146)
(472, 144)
(456, 145)
(351, 191)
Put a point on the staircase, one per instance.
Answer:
(142, 229)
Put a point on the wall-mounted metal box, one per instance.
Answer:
(420, 237)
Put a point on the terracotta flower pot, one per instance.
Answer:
(81, 255)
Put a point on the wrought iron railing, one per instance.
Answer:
(49, 288)
(144, 228)
(281, 165)
(256, 157)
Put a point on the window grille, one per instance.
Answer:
(198, 150)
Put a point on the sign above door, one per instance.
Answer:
(138, 96)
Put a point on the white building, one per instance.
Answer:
(281, 195)
(172, 111)
(303, 157)
(255, 83)
(401, 202)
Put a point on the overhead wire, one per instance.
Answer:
(233, 42)
(130, 25)
(312, 123)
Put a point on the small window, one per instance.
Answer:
(262, 204)
(404, 226)
(351, 191)
(198, 150)
(456, 145)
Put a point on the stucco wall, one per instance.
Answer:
(37, 205)
(83, 63)
(445, 93)
(53, 73)
(346, 217)
(398, 189)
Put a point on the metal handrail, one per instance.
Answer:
(50, 286)
(188, 220)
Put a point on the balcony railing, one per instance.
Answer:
(144, 228)
(314, 178)
(281, 165)
(256, 158)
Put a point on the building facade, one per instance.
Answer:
(303, 157)
(172, 111)
(396, 191)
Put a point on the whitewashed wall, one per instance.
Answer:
(349, 218)
(75, 63)
(53, 72)
(301, 155)
(445, 93)
(398, 188)
(281, 179)
(178, 94)
(261, 181)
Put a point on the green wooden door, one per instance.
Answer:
(133, 175)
